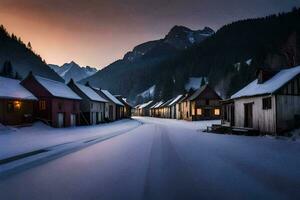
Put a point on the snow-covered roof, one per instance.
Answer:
(156, 104)
(144, 105)
(198, 92)
(270, 86)
(176, 99)
(167, 103)
(159, 104)
(11, 88)
(56, 88)
(112, 97)
(90, 93)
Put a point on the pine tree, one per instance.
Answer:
(7, 69)
(29, 46)
(202, 82)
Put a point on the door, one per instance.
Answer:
(94, 118)
(110, 111)
(248, 108)
(73, 120)
(60, 120)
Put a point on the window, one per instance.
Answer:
(10, 107)
(60, 106)
(199, 111)
(42, 105)
(193, 111)
(217, 111)
(92, 105)
(267, 103)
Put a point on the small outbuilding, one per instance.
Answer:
(127, 106)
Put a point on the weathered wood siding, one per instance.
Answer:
(263, 120)
(288, 106)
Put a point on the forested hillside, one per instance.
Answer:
(18, 58)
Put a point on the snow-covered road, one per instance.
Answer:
(166, 160)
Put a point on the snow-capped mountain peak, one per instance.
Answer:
(73, 70)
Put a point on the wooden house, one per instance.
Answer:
(144, 109)
(58, 105)
(269, 104)
(127, 106)
(166, 109)
(92, 105)
(16, 103)
(183, 108)
(112, 106)
(154, 109)
(204, 104)
(173, 106)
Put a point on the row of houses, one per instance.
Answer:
(58, 104)
(270, 104)
(203, 104)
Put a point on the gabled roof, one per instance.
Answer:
(175, 100)
(157, 104)
(90, 93)
(56, 88)
(126, 102)
(145, 105)
(12, 89)
(270, 86)
(166, 104)
(112, 97)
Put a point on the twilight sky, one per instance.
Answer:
(97, 32)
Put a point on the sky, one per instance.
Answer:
(98, 32)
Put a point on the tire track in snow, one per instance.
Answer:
(167, 176)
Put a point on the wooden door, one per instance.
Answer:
(248, 111)
(94, 118)
(111, 113)
(60, 120)
(73, 120)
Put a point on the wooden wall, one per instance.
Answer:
(263, 120)
(287, 107)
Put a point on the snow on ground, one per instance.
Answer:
(17, 141)
(193, 125)
(166, 159)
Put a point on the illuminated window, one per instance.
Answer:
(193, 111)
(199, 111)
(17, 105)
(217, 111)
(42, 105)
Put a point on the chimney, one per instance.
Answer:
(264, 75)
(87, 84)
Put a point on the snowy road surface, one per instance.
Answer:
(161, 160)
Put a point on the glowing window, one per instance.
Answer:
(217, 111)
(199, 111)
(17, 105)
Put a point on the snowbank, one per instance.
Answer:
(40, 136)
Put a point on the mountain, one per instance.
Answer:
(129, 76)
(227, 59)
(73, 70)
(22, 57)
